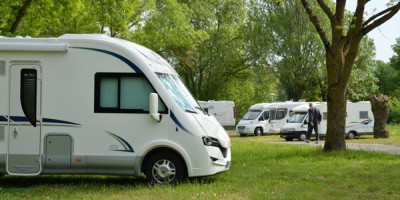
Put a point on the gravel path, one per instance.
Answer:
(391, 149)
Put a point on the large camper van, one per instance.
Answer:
(265, 118)
(359, 121)
(223, 111)
(92, 104)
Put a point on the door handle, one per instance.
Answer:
(15, 132)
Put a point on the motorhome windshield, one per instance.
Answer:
(251, 115)
(179, 92)
(297, 118)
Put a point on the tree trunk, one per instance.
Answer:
(335, 136)
(380, 109)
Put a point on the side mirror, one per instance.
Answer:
(153, 107)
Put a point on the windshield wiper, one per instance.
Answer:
(202, 110)
(190, 111)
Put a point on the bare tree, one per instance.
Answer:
(341, 51)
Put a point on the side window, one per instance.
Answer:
(363, 114)
(266, 115)
(123, 93)
(324, 116)
(281, 113)
(29, 94)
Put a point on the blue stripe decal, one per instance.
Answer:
(3, 119)
(123, 59)
(124, 143)
(173, 117)
(57, 121)
(45, 120)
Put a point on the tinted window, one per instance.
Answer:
(126, 93)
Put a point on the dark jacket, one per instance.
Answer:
(314, 115)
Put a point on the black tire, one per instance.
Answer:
(289, 139)
(351, 135)
(302, 137)
(164, 168)
(258, 131)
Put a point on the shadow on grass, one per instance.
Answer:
(26, 182)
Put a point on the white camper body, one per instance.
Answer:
(223, 111)
(265, 118)
(359, 121)
(280, 114)
(91, 104)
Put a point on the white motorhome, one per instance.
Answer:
(265, 118)
(280, 114)
(92, 104)
(255, 121)
(223, 111)
(359, 121)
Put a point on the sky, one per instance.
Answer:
(385, 35)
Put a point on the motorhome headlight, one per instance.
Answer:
(251, 122)
(209, 141)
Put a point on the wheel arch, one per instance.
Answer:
(164, 149)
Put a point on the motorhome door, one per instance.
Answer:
(24, 132)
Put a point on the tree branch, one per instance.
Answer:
(326, 10)
(380, 18)
(317, 24)
(20, 15)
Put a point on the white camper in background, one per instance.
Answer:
(359, 121)
(255, 121)
(223, 111)
(265, 118)
(91, 104)
(280, 114)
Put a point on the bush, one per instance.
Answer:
(394, 112)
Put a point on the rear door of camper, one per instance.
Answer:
(24, 131)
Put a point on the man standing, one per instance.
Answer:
(314, 118)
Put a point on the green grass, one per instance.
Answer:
(260, 170)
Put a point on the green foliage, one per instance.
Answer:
(394, 112)
(363, 81)
(223, 49)
(289, 48)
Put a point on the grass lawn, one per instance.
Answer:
(260, 170)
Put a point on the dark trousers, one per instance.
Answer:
(310, 129)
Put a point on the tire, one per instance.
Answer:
(258, 131)
(302, 137)
(351, 136)
(164, 168)
(289, 139)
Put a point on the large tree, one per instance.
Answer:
(341, 48)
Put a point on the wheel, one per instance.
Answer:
(303, 137)
(289, 139)
(258, 131)
(164, 168)
(351, 136)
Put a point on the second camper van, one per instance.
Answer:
(223, 111)
(359, 121)
(265, 118)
